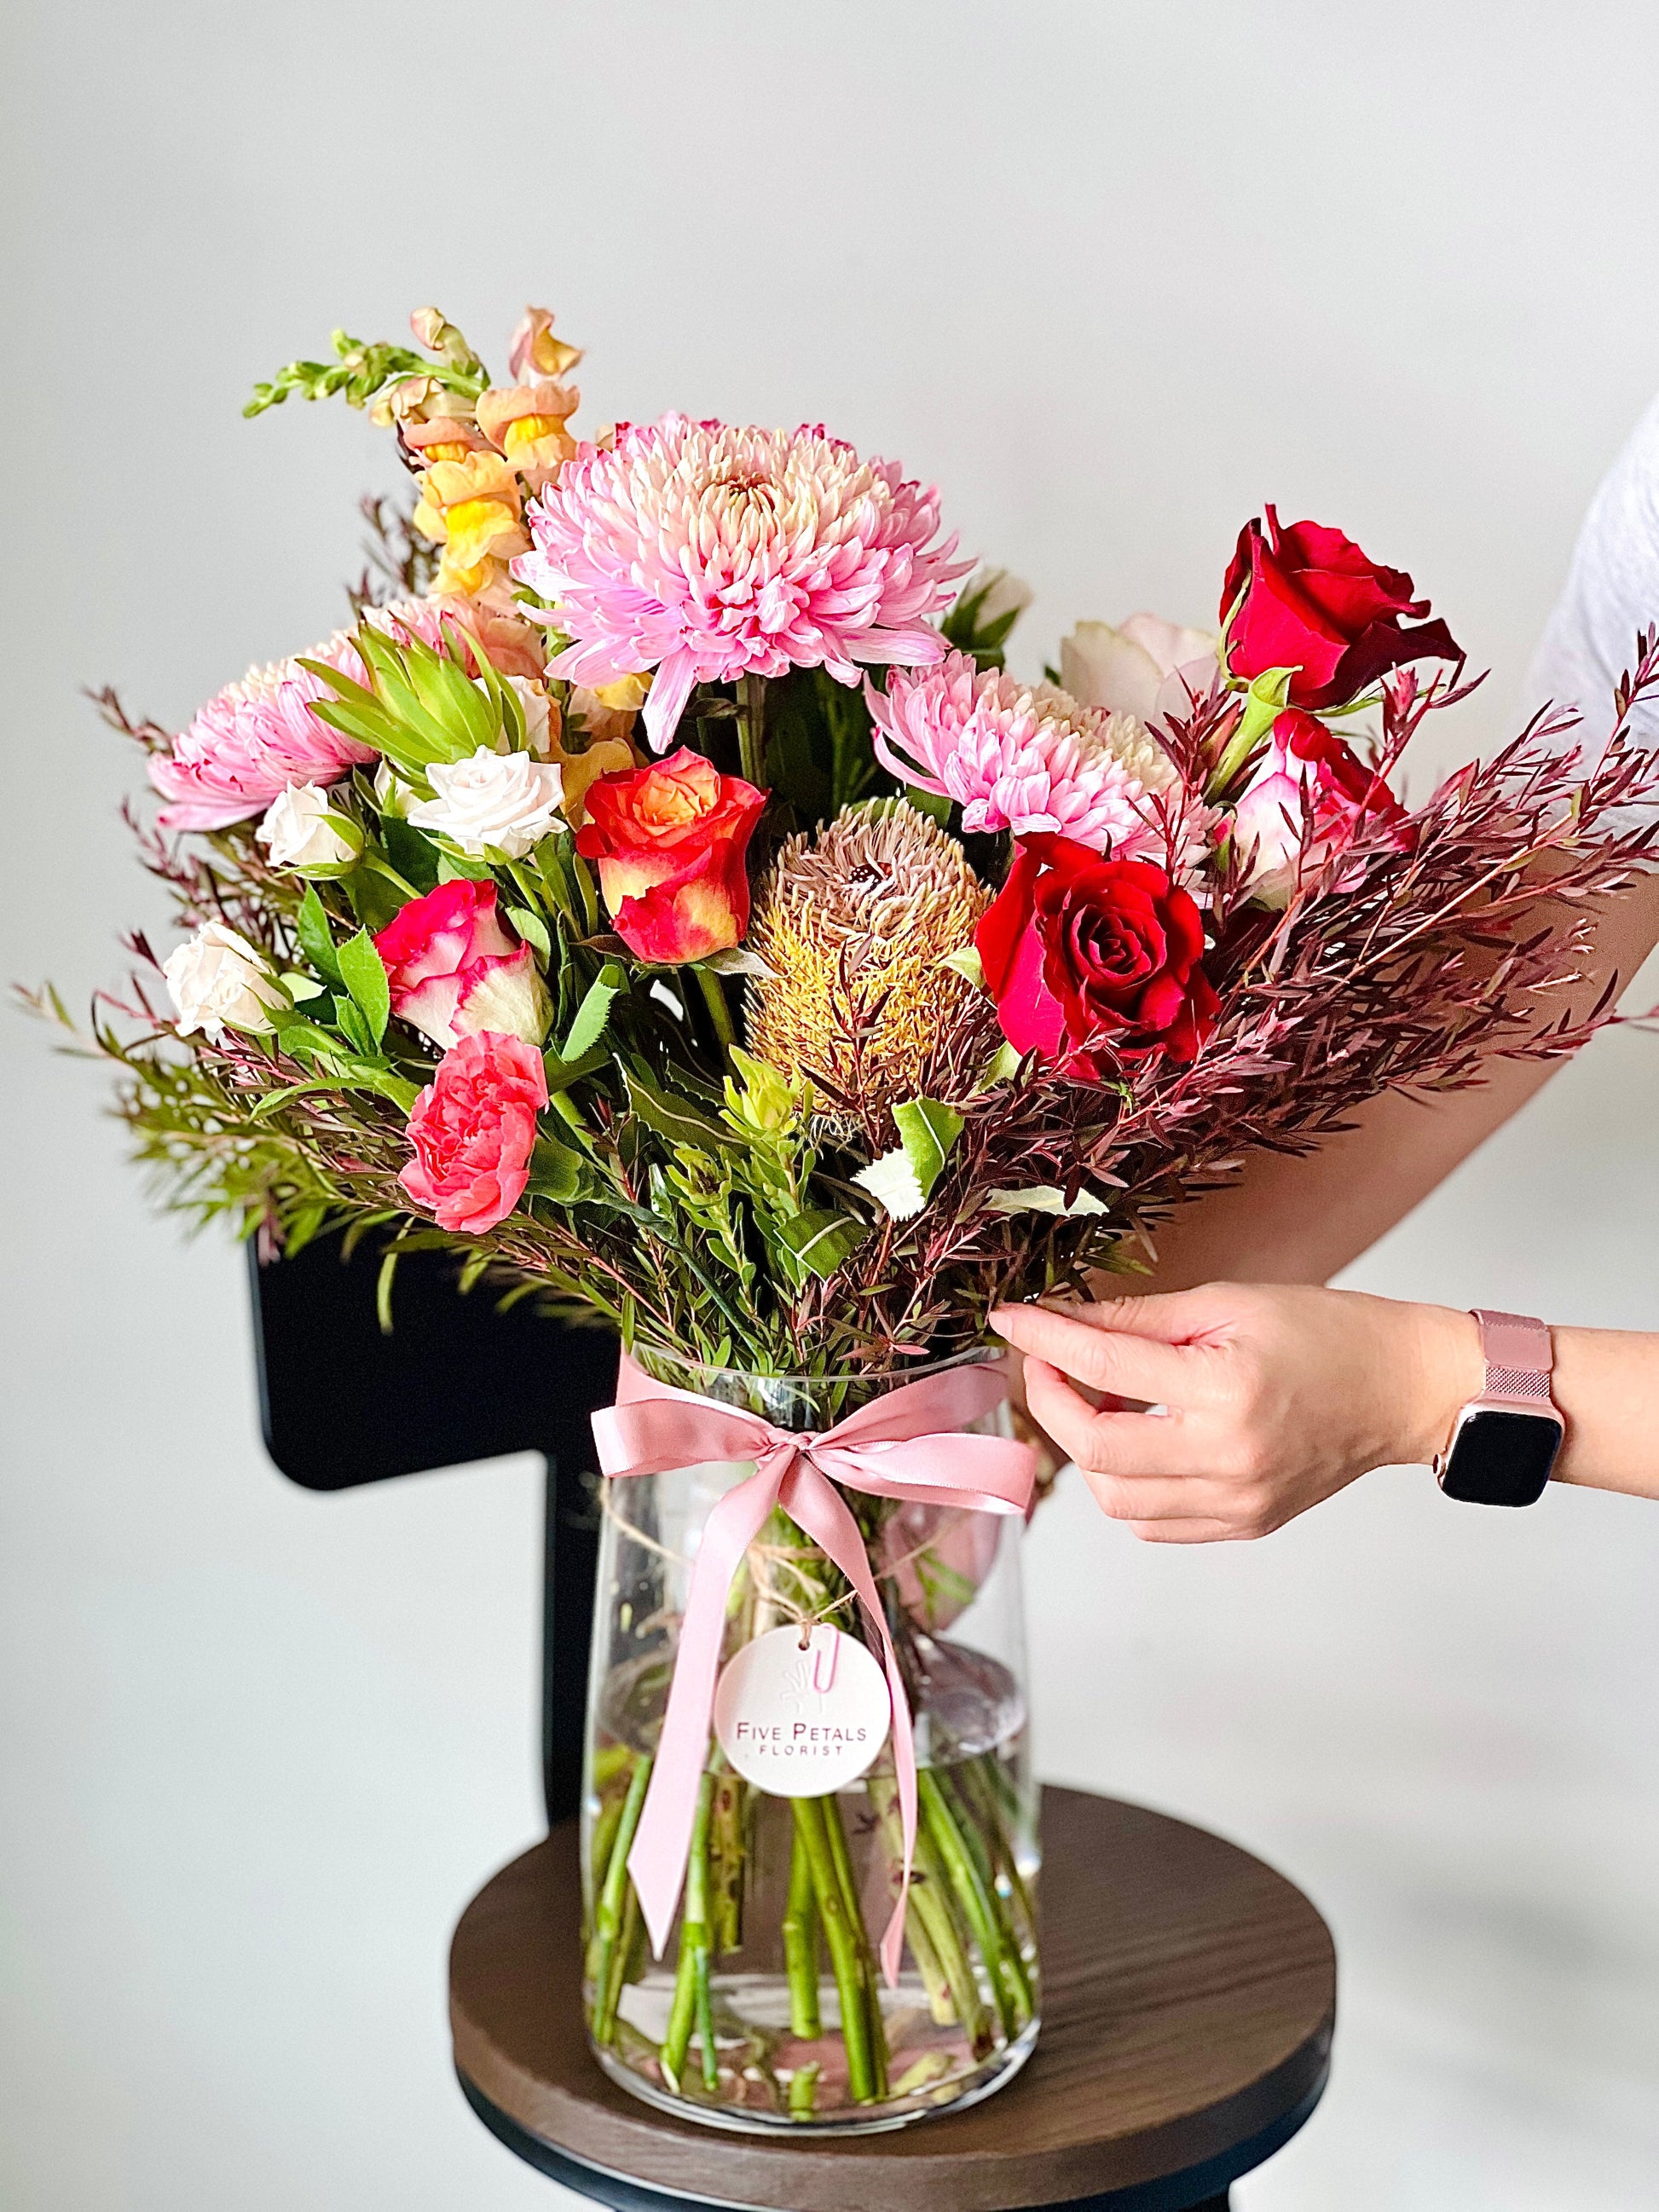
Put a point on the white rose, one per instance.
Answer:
(299, 831)
(218, 981)
(505, 800)
(1149, 668)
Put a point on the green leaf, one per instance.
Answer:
(414, 856)
(1002, 1067)
(927, 1130)
(533, 930)
(587, 1026)
(453, 865)
(363, 973)
(557, 1171)
(674, 1117)
(383, 1289)
(822, 1241)
(316, 938)
(932, 803)
(561, 1073)
(966, 961)
(354, 1028)
(295, 1034)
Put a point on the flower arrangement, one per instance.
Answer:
(665, 897)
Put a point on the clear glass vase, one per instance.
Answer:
(768, 2007)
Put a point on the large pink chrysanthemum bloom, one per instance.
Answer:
(1023, 759)
(707, 552)
(257, 737)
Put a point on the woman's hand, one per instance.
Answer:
(1265, 1398)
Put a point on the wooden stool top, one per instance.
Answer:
(1188, 1993)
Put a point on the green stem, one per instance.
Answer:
(691, 1972)
(930, 1928)
(751, 729)
(867, 1968)
(800, 1942)
(713, 991)
(608, 1920)
(1007, 1975)
(844, 1949)
(804, 2091)
(726, 1859)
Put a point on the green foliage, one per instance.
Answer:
(594, 1011)
(966, 628)
(359, 370)
(418, 705)
(363, 973)
(817, 745)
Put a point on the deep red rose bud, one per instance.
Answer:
(1306, 598)
(1091, 959)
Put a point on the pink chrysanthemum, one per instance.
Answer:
(1026, 760)
(257, 737)
(708, 552)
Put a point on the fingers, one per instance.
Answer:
(1097, 1353)
(1108, 1444)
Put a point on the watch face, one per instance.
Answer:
(1500, 1458)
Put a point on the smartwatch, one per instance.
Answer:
(1506, 1441)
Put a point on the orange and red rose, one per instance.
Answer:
(1091, 960)
(670, 842)
(1305, 598)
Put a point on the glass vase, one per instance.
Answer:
(768, 2007)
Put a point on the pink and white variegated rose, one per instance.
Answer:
(454, 971)
(257, 737)
(1306, 801)
(708, 551)
(1147, 667)
(1023, 759)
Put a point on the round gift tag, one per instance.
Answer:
(802, 1720)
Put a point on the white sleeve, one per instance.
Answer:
(1612, 592)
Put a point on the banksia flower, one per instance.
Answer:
(852, 929)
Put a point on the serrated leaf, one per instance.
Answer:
(587, 1024)
(821, 1241)
(927, 1131)
(674, 1117)
(561, 1073)
(533, 930)
(363, 973)
(1043, 1198)
(315, 936)
(891, 1182)
(354, 1028)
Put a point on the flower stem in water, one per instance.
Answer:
(845, 1948)
(690, 2001)
(610, 1952)
(800, 1942)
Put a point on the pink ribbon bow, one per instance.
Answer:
(907, 1445)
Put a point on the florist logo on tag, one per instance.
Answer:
(801, 1721)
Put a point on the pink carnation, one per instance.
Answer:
(707, 552)
(254, 738)
(473, 1129)
(1030, 761)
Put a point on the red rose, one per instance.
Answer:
(1082, 953)
(454, 970)
(473, 1129)
(670, 841)
(1312, 602)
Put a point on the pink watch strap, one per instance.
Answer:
(1519, 1357)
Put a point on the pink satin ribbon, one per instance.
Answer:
(907, 1445)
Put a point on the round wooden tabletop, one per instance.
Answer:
(1189, 1998)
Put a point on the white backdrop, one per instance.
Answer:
(1113, 274)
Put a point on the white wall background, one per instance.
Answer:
(1113, 274)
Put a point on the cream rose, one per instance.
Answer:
(300, 831)
(217, 981)
(507, 801)
(1149, 668)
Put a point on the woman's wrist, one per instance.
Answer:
(1443, 1368)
